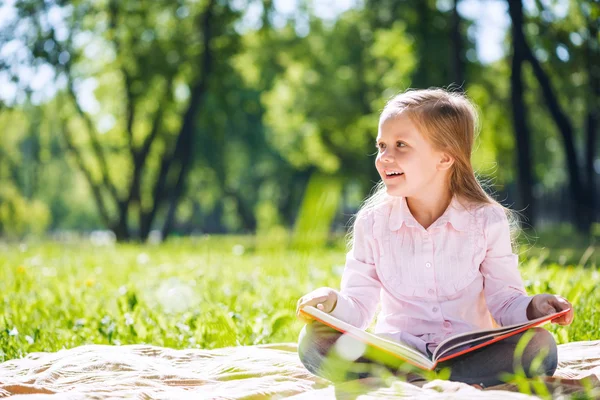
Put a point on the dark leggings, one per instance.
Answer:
(351, 359)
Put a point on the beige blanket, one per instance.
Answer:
(250, 372)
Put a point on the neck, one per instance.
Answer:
(427, 209)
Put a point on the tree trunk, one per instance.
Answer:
(290, 204)
(578, 192)
(593, 113)
(519, 112)
(182, 153)
(457, 48)
(422, 74)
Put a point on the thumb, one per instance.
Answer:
(549, 309)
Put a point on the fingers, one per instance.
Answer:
(306, 319)
(569, 316)
(562, 304)
(547, 309)
(302, 317)
(316, 301)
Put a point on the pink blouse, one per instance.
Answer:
(432, 283)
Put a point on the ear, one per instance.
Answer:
(445, 162)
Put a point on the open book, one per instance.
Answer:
(451, 347)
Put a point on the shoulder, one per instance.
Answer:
(364, 219)
(367, 218)
(376, 211)
(488, 215)
(496, 226)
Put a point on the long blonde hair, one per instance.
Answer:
(449, 120)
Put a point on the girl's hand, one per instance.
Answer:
(325, 299)
(546, 304)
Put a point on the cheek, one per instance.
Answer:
(424, 163)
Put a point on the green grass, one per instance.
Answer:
(204, 292)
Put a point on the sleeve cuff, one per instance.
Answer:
(342, 308)
(519, 311)
(347, 310)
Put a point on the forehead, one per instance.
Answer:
(396, 127)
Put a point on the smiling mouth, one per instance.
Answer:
(393, 174)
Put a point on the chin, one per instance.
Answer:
(395, 192)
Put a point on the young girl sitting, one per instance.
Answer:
(435, 249)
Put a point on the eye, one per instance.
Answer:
(380, 146)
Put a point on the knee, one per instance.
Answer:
(314, 342)
(541, 354)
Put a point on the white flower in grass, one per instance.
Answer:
(238, 250)
(176, 296)
(13, 332)
(183, 327)
(128, 319)
(143, 259)
(29, 339)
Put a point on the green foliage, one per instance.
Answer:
(317, 211)
(279, 104)
(19, 215)
(323, 109)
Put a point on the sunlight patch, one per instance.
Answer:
(349, 348)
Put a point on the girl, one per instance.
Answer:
(435, 249)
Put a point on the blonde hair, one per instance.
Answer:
(449, 121)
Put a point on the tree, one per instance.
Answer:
(581, 184)
(152, 82)
(519, 113)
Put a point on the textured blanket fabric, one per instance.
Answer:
(250, 372)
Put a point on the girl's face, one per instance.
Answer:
(407, 163)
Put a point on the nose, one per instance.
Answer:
(386, 155)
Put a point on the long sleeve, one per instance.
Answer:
(360, 288)
(503, 287)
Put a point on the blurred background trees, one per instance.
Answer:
(260, 116)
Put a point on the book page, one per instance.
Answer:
(458, 341)
(397, 349)
(456, 344)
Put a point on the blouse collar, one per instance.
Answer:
(457, 215)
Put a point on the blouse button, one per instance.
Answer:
(431, 292)
(434, 309)
(447, 324)
(428, 265)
